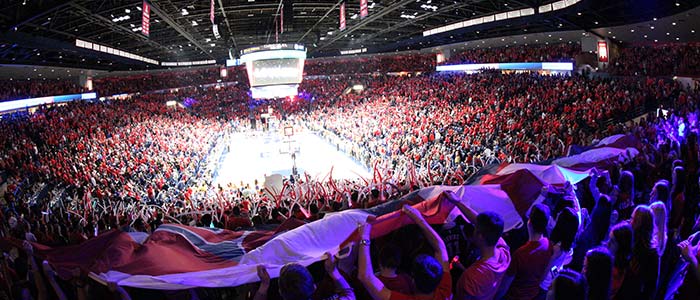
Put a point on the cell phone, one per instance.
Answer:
(554, 271)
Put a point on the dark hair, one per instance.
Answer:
(626, 182)
(679, 183)
(643, 226)
(390, 256)
(624, 239)
(490, 226)
(566, 228)
(599, 273)
(313, 208)
(539, 218)
(375, 193)
(295, 282)
(236, 210)
(206, 220)
(427, 273)
(569, 285)
(663, 193)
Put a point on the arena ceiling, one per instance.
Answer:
(43, 32)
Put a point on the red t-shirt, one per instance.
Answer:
(442, 292)
(481, 279)
(401, 283)
(528, 268)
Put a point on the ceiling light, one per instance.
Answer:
(213, 45)
(127, 10)
(674, 23)
(330, 33)
(194, 23)
(208, 40)
(185, 12)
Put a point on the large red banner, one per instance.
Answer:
(342, 16)
(282, 19)
(363, 9)
(146, 19)
(211, 12)
(602, 51)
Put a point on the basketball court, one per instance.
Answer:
(256, 155)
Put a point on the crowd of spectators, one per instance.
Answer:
(20, 89)
(153, 81)
(371, 64)
(71, 172)
(658, 60)
(521, 53)
(458, 123)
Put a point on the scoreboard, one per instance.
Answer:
(275, 70)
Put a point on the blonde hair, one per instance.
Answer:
(658, 208)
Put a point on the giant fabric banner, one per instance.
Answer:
(180, 257)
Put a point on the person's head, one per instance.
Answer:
(489, 228)
(643, 226)
(620, 244)
(565, 230)
(390, 257)
(539, 218)
(236, 211)
(206, 220)
(603, 184)
(597, 267)
(427, 273)
(568, 285)
(626, 182)
(660, 192)
(295, 282)
(678, 180)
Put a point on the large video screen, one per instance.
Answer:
(275, 71)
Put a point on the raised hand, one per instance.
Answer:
(330, 264)
(410, 210)
(263, 275)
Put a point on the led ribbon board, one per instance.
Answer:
(547, 66)
(31, 102)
